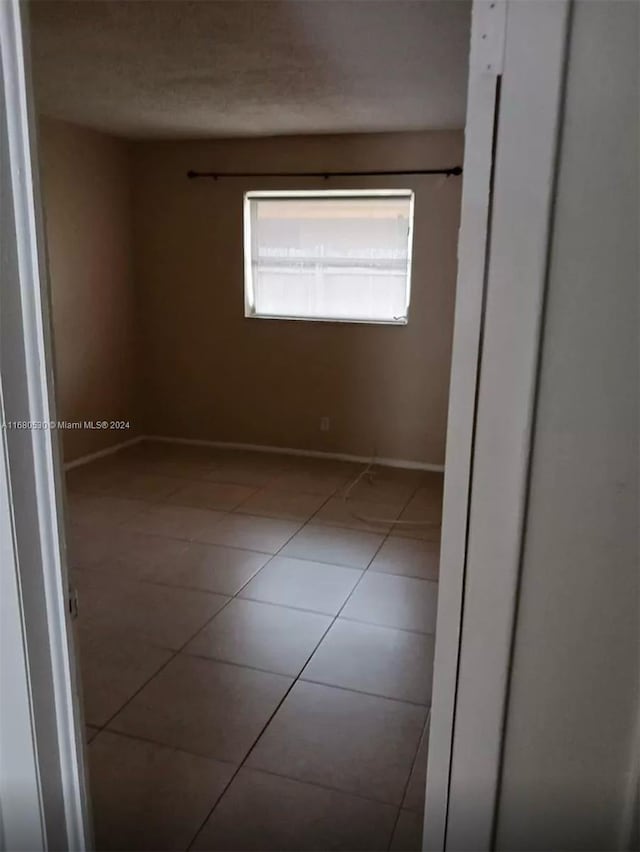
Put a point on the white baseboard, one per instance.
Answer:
(290, 451)
(405, 464)
(108, 451)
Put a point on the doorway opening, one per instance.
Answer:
(253, 508)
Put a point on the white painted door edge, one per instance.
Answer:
(22, 810)
(530, 111)
(485, 66)
(33, 467)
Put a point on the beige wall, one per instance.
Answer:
(209, 373)
(86, 196)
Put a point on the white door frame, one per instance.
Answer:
(502, 270)
(485, 68)
(43, 802)
(503, 256)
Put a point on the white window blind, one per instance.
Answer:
(335, 255)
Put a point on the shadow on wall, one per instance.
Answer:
(86, 193)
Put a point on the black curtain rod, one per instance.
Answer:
(454, 170)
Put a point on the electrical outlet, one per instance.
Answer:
(325, 424)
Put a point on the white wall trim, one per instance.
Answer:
(33, 464)
(485, 65)
(406, 464)
(99, 454)
(21, 800)
(382, 461)
(524, 172)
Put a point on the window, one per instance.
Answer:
(335, 255)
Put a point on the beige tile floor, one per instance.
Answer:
(256, 661)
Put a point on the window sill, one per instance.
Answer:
(339, 320)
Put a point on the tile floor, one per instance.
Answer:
(256, 661)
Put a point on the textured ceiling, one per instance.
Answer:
(172, 69)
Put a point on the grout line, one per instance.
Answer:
(222, 662)
(120, 526)
(164, 499)
(422, 704)
(331, 615)
(389, 626)
(167, 585)
(300, 676)
(287, 693)
(165, 664)
(325, 787)
(160, 583)
(198, 589)
(425, 732)
(143, 739)
(220, 594)
(253, 550)
(336, 616)
(272, 715)
(295, 679)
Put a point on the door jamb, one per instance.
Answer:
(32, 466)
(488, 26)
(470, 762)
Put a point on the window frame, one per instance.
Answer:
(303, 194)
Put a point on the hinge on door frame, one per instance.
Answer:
(487, 51)
(73, 601)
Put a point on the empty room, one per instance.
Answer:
(251, 213)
